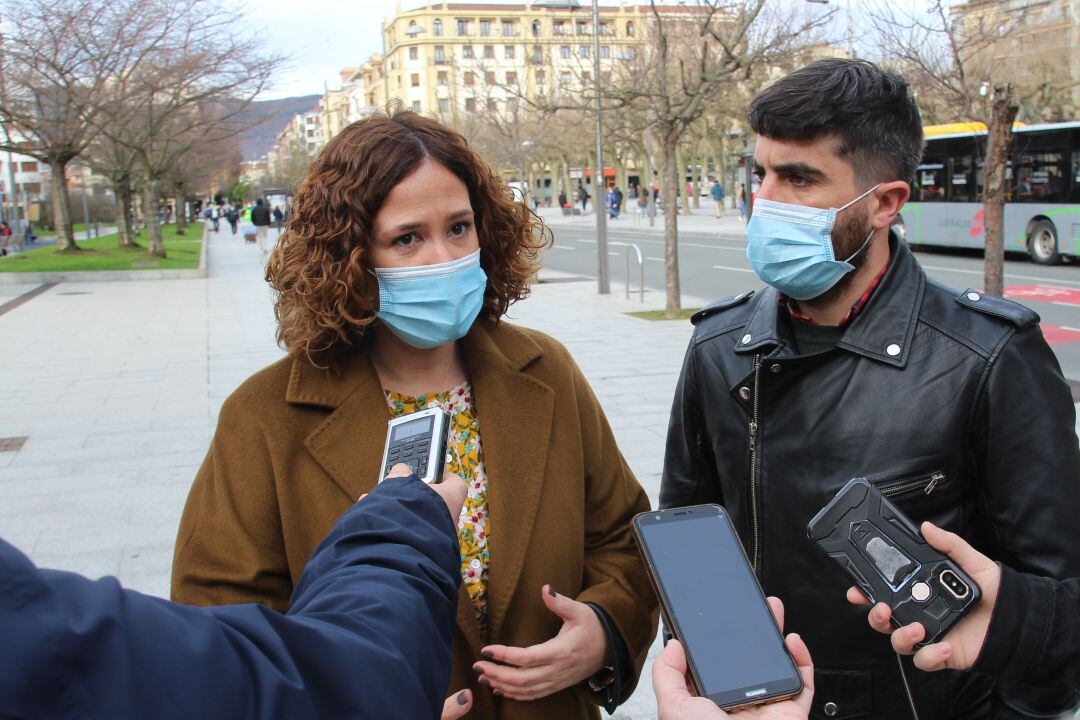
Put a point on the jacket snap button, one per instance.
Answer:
(744, 393)
(746, 338)
(775, 368)
(831, 709)
(974, 297)
(893, 350)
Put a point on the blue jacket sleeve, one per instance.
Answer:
(368, 635)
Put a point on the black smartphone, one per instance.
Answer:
(714, 606)
(888, 559)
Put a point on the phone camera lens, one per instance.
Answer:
(957, 587)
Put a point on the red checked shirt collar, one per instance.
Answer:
(793, 308)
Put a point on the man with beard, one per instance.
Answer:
(854, 363)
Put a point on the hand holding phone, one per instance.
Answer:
(891, 562)
(714, 605)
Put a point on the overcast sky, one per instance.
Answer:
(323, 36)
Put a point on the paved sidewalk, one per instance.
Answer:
(700, 221)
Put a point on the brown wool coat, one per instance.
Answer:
(295, 446)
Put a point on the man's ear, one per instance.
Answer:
(891, 197)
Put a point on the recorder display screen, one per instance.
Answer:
(722, 619)
(411, 429)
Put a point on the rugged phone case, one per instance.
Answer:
(887, 557)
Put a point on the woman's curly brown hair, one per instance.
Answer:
(326, 297)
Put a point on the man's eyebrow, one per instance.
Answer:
(798, 168)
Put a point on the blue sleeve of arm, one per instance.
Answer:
(369, 634)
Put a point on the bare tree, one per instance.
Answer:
(191, 89)
(953, 58)
(58, 57)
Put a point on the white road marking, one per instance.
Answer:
(563, 247)
(733, 269)
(1047, 281)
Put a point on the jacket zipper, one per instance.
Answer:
(907, 687)
(753, 465)
(926, 484)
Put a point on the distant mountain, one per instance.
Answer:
(271, 117)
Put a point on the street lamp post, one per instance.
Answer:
(602, 278)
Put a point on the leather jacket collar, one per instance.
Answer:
(883, 331)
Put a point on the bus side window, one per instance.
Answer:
(1074, 195)
(1041, 177)
(930, 180)
(961, 185)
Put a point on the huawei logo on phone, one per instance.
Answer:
(755, 693)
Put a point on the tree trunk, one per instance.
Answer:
(179, 193)
(61, 202)
(155, 242)
(698, 172)
(680, 161)
(647, 181)
(124, 234)
(668, 149)
(999, 133)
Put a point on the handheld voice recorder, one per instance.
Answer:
(420, 441)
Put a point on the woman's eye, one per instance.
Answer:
(405, 240)
(460, 228)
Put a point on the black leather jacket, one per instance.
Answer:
(952, 402)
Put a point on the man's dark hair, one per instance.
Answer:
(869, 110)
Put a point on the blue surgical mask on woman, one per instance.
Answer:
(790, 247)
(432, 305)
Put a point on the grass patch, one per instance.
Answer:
(684, 314)
(49, 232)
(103, 254)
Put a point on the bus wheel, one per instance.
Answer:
(1042, 243)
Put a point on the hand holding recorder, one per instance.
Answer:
(960, 646)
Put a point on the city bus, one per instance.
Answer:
(1042, 209)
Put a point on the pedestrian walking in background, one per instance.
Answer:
(560, 617)
(215, 216)
(233, 216)
(742, 202)
(562, 198)
(260, 218)
(278, 217)
(583, 198)
(718, 195)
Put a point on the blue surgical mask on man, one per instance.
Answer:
(790, 247)
(432, 305)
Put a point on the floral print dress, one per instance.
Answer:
(467, 462)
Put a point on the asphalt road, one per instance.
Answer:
(714, 266)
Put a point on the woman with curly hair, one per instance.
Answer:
(404, 252)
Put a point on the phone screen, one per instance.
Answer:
(411, 429)
(720, 615)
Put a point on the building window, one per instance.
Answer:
(582, 27)
(489, 77)
(492, 105)
(444, 105)
(512, 104)
(414, 80)
(537, 55)
(629, 28)
(541, 77)
(558, 27)
(564, 77)
(466, 52)
(443, 78)
(536, 28)
(586, 76)
(508, 29)
(436, 28)
(508, 52)
(564, 51)
(464, 28)
(28, 167)
(605, 28)
(630, 53)
(413, 53)
(416, 105)
(399, 81)
(470, 104)
(485, 28)
(489, 52)
(470, 78)
(511, 77)
(440, 54)
(583, 51)
(605, 51)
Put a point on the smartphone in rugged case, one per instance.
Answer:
(887, 557)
